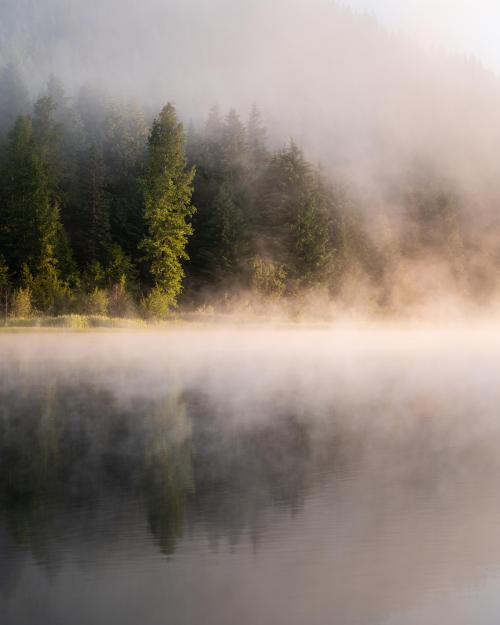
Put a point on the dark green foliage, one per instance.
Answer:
(124, 152)
(220, 246)
(120, 268)
(32, 233)
(97, 214)
(49, 114)
(30, 218)
(92, 232)
(228, 230)
(5, 288)
(233, 145)
(293, 219)
(47, 134)
(167, 203)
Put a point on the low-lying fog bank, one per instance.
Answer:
(311, 370)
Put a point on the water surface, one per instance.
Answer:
(250, 476)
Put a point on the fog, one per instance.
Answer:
(407, 134)
(353, 469)
(398, 369)
(365, 101)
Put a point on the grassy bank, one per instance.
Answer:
(72, 322)
(179, 319)
(90, 322)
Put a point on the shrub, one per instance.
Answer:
(97, 302)
(120, 302)
(51, 295)
(268, 278)
(21, 306)
(5, 287)
(156, 305)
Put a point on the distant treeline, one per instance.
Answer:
(102, 212)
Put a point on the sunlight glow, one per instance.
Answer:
(462, 26)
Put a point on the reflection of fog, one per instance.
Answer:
(76, 464)
(324, 477)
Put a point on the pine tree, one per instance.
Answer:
(311, 245)
(25, 199)
(124, 150)
(5, 287)
(167, 203)
(219, 247)
(30, 223)
(211, 153)
(256, 140)
(293, 223)
(55, 91)
(222, 255)
(92, 238)
(233, 144)
(48, 136)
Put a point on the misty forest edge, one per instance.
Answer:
(104, 214)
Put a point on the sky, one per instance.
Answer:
(463, 26)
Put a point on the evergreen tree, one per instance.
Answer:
(65, 141)
(233, 145)
(256, 140)
(30, 223)
(124, 151)
(92, 237)
(225, 233)
(48, 136)
(311, 251)
(55, 91)
(167, 203)
(293, 223)
(83, 180)
(24, 199)
(211, 155)
(5, 287)
(220, 246)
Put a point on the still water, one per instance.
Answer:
(271, 477)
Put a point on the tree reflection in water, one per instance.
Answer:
(68, 450)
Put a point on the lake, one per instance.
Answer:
(270, 476)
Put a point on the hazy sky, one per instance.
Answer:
(469, 26)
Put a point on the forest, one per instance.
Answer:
(108, 210)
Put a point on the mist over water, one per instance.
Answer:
(277, 475)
